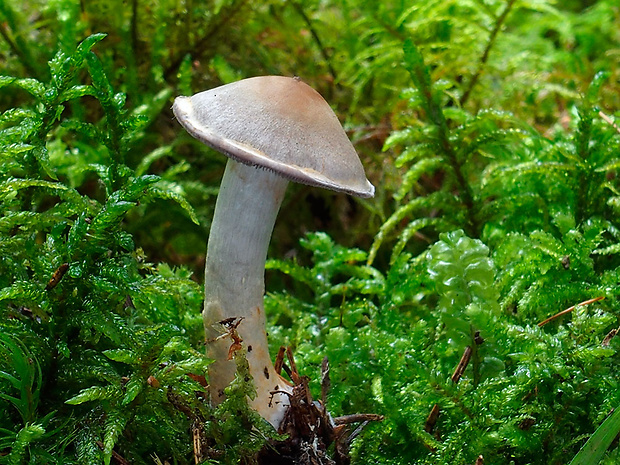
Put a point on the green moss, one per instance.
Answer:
(489, 129)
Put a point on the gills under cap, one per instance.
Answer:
(278, 123)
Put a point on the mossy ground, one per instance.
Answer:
(490, 131)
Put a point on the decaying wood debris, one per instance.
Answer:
(310, 428)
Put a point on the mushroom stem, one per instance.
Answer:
(245, 213)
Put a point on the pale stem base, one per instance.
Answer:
(245, 213)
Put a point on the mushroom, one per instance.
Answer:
(274, 129)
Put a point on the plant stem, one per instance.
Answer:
(202, 46)
(475, 355)
(245, 213)
(487, 50)
(134, 26)
(422, 80)
(300, 10)
(12, 20)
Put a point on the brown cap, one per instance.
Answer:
(278, 123)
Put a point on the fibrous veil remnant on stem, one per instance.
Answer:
(274, 129)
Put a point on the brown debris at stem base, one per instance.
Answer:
(314, 437)
(279, 360)
(309, 426)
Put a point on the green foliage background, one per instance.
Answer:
(489, 130)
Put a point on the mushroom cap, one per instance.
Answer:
(278, 123)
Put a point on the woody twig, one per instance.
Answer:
(570, 309)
